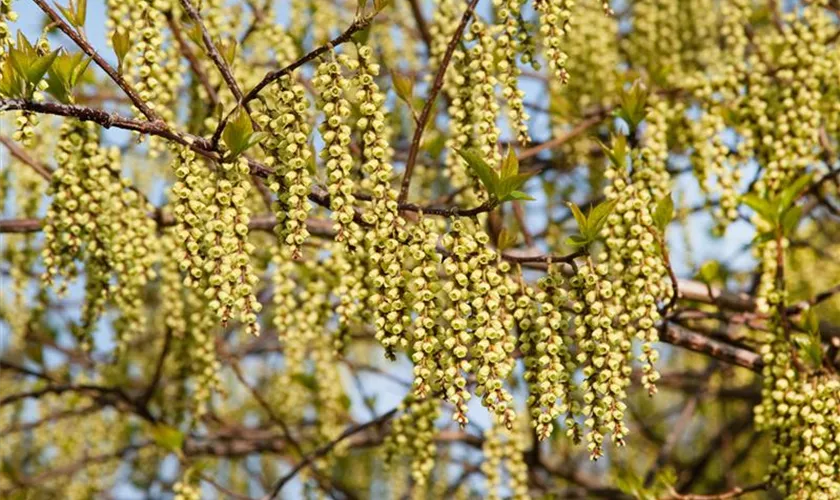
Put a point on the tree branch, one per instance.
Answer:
(425, 114)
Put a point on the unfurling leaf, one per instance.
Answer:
(65, 74)
(598, 217)
(510, 164)
(632, 104)
(121, 44)
(663, 213)
(76, 13)
(709, 271)
(11, 84)
(403, 86)
(577, 241)
(618, 153)
(239, 133)
(791, 219)
(30, 66)
(517, 195)
(579, 217)
(507, 239)
(761, 206)
(791, 193)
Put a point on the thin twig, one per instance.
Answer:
(323, 450)
(21, 154)
(425, 114)
(213, 51)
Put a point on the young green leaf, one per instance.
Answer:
(663, 213)
(577, 241)
(812, 323)
(791, 193)
(761, 206)
(597, 218)
(618, 153)
(65, 74)
(485, 173)
(11, 84)
(791, 219)
(403, 87)
(28, 64)
(709, 271)
(579, 217)
(516, 195)
(121, 44)
(507, 239)
(238, 133)
(810, 349)
(510, 164)
(632, 104)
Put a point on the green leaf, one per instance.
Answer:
(485, 173)
(168, 438)
(121, 44)
(632, 104)
(11, 84)
(69, 13)
(709, 271)
(510, 164)
(238, 133)
(663, 213)
(517, 195)
(65, 74)
(598, 217)
(40, 66)
(227, 48)
(577, 241)
(363, 35)
(810, 349)
(403, 86)
(81, 13)
(761, 206)
(791, 193)
(618, 153)
(791, 219)
(579, 217)
(507, 239)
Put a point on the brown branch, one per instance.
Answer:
(422, 26)
(579, 129)
(21, 154)
(192, 60)
(158, 373)
(213, 51)
(693, 341)
(423, 120)
(102, 63)
(323, 450)
(358, 25)
(733, 493)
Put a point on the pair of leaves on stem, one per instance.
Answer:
(25, 68)
(239, 134)
(502, 185)
(781, 211)
(589, 227)
(809, 342)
